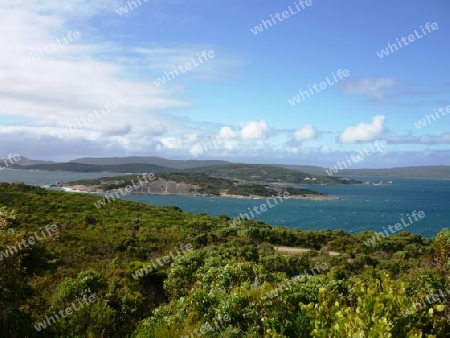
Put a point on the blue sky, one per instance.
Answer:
(118, 58)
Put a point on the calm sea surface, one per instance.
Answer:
(42, 178)
(364, 207)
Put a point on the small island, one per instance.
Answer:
(190, 184)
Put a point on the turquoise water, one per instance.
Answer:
(364, 207)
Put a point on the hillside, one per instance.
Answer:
(158, 161)
(191, 184)
(88, 168)
(310, 169)
(158, 272)
(440, 172)
(26, 161)
(249, 172)
(243, 172)
(268, 174)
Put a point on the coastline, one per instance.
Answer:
(85, 189)
(295, 197)
(396, 177)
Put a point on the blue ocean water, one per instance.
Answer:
(42, 178)
(363, 207)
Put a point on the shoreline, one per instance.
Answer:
(295, 197)
(84, 189)
(395, 177)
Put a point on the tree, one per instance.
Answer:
(15, 321)
(442, 250)
(377, 307)
(72, 294)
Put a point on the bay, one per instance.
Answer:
(363, 207)
(45, 178)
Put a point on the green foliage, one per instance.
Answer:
(85, 284)
(442, 249)
(15, 320)
(232, 272)
(372, 308)
(267, 173)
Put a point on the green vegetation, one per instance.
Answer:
(244, 172)
(159, 161)
(231, 280)
(201, 184)
(92, 168)
(269, 174)
(440, 172)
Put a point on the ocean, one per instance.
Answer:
(363, 207)
(45, 178)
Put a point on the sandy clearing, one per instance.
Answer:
(292, 250)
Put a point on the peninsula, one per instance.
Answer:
(189, 184)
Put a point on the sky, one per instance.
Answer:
(288, 81)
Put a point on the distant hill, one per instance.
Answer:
(188, 184)
(79, 167)
(158, 161)
(26, 161)
(310, 169)
(256, 173)
(441, 172)
(267, 174)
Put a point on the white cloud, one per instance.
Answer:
(367, 87)
(255, 131)
(70, 83)
(363, 132)
(226, 133)
(307, 132)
